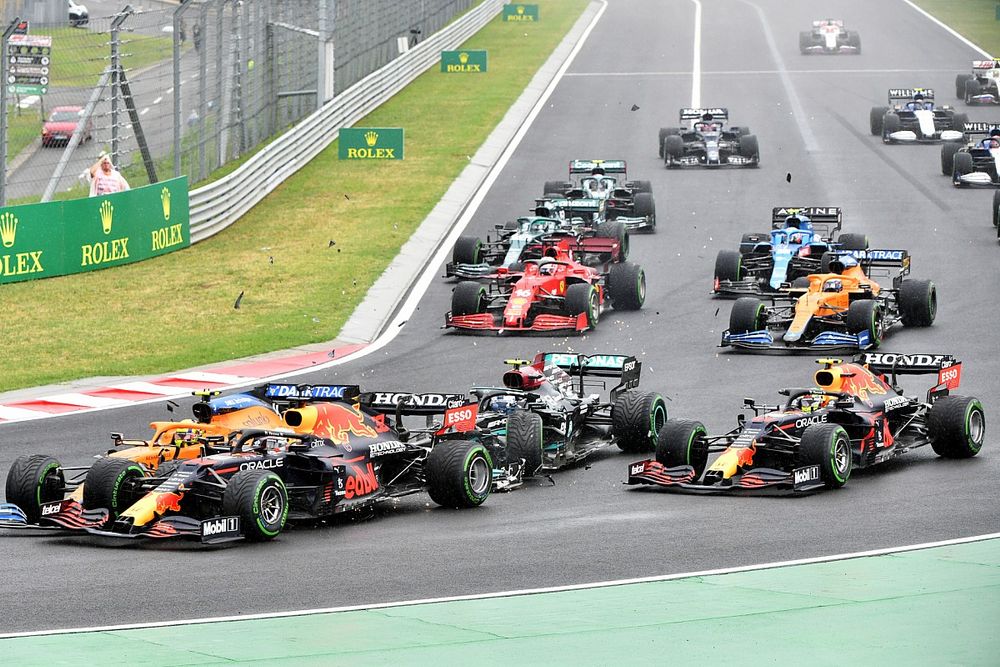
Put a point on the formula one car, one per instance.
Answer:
(854, 418)
(593, 243)
(768, 262)
(37, 481)
(828, 36)
(550, 417)
(980, 87)
(978, 161)
(708, 143)
(912, 116)
(842, 307)
(551, 294)
(629, 202)
(331, 456)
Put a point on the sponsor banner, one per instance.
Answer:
(517, 13)
(371, 143)
(468, 61)
(77, 235)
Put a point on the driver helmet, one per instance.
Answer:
(547, 268)
(811, 402)
(503, 404)
(185, 436)
(597, 172)
(993, 141)
(798, 222)
(916, 103)
(833, 284)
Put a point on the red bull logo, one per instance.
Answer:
(168, 501)
(861, 383)
(335, 421)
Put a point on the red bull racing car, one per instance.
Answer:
(856, 416)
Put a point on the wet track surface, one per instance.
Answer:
(811, 117)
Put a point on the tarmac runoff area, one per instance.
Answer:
(925, 606)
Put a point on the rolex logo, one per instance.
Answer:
(165, 200)
(107, 211)
(463, 57)
(371, 138)
(520, 9)
(8, 229)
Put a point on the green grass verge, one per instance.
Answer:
(79, 56)
(177, 311)
(974, 19)
(23, 127)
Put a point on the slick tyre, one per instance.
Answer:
(917, 303)
(582, 298)
(854, 39)
(829, 447)
(748, 314)
(875, 120)
(524, 440)
(682, 442)
(972, 88)
(890, 124)
(956, 426)
(642, 186)
(749, 148)
(866, 315)
(617, 232)
(113, 484)
(728, 265)
(645, 206)
(459, 474)
(948, 151)
(962, 165)
(33, 480)
(467, 250)
(996, 209)
(960, 82)
(805, 41)
(853, 241)
(260, 500)
(469, 298)
(664, 133)
(958, 122)
(636, 420)
(673, 149)
(627, 286)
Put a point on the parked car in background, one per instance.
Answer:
(61, 124)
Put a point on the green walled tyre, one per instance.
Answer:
(829, 447)
(113, 484)
(866, 315)
(682, 442)
(627, 286)
(748, 314)
(582, 298)
(956, 426)
(32, 481)
(729, 265)
(467, 250)
(260, 500)
(469, 298)
(917, 303)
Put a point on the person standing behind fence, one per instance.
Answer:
(107, 180)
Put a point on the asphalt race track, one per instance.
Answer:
(587, 527)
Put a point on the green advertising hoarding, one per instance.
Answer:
(370, 143)
(63, 237)
(516, 13)
(471, 60)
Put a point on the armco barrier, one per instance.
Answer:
(77, 235)
(218, 205)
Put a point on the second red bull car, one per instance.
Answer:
(856, 416)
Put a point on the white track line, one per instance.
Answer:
(953, 32)
(696, 60)
(514, 593)
(752, 72)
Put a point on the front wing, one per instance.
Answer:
(762, 340)
(681, 479)
(489, 323)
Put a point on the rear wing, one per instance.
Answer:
(947, 367)
(717, 113)
(829, 217)
(594, 365)
(570, 206)
(588, 166)
(986, 64)
(405, 403)
(880, 259)
(303, 393)
(896, 94)
(978, 127)
(822, 22)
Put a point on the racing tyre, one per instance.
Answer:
(459, 474)
(972, 88)
(748, 314)
(664, 133)
(555, 187)
(958, 122)
(469, 298)
(829, 447)
(956, 426)
(637, 417)
(960, 82)
(854, 39)
(866, 315)
(627, 286)
(962, 165)
(948, 151)
(996, 209)
(682, 443)
(890, 124)
(875, 120)
(853, 241)
(748, 147)
(618, 232)
(645, 206)
(673, 149)
(467, 250)
(582, 298)
(113, 484)
(917, 303)
(524, 440)
(642, 186)
(260, 500)
(805, 41)
(33, 480)
(825, 260)
(728, 265)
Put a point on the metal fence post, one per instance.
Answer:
(178, 127)
(202, 90)
(321, 56)
(219, 76)
(116, 24)
(3, 106)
